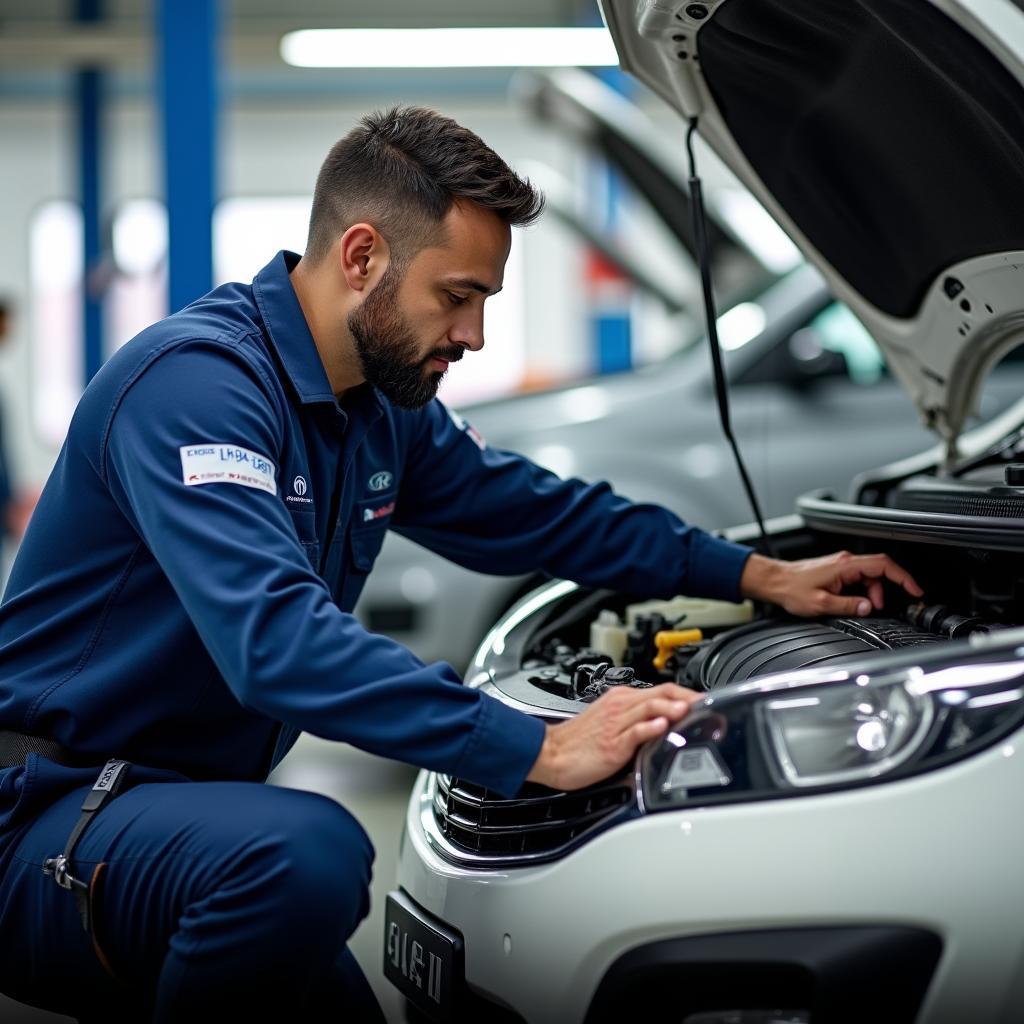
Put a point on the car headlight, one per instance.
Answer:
(843, 733)
(805, 733)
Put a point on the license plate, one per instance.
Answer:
(423, 958)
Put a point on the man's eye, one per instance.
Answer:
(456, 300)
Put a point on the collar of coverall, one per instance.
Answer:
(290, 337)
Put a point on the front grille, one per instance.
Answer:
(538, 821)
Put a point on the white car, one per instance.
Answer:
(834, 834)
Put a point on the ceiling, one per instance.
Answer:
(40, 36)
(336, 13)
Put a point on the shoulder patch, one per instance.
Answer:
(208, 462)
(470, 431)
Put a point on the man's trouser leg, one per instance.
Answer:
(219, 897)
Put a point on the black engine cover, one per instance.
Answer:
(771, 646)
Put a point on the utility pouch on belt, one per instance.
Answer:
(105, 788)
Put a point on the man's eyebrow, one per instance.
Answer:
(472, 283)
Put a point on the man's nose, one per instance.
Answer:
(468, 333)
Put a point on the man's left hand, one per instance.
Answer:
(814, 586)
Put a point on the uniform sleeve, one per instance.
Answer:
(232, 555)
(495, 511)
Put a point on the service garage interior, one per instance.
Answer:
(739, 412)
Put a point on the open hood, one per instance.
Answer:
(887, 138)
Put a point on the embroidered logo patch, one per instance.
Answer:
(298, 495)
(211, 463)
(380, 481)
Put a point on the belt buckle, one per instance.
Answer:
(58, 867)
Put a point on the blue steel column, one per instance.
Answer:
(611, 320)
(187, 43)
(89, 99)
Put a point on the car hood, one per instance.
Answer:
(887, 138)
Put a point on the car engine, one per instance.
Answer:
(658, 642)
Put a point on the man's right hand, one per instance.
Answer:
(601, 739)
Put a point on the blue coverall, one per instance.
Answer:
(182, 600)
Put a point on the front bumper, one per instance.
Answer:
(939, 852)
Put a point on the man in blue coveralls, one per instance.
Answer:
(182, 601)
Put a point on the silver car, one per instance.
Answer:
(832, 835)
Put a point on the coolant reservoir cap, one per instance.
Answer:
(1014, 474)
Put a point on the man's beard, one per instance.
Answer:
(388, 348)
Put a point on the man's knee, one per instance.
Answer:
(322, 860)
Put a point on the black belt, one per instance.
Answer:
(16, 746)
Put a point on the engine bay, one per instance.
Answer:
(956, 532)
(598, 640)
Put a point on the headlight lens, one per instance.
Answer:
(791, 736)
(844, 733)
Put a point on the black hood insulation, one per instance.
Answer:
(892, 137)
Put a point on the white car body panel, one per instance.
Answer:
(854, 857)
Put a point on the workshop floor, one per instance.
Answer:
(375, 791)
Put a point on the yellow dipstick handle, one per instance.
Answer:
(668, 640)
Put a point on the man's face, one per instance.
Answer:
(413, 324)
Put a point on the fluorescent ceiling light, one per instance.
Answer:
(449, 48)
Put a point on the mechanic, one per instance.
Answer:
(182, 601)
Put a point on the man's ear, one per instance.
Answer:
(363, 256)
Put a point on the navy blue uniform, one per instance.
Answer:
(182, 599)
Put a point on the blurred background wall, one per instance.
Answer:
(275, 124)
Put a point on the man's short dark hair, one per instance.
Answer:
(401, 170)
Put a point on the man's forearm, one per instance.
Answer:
(761, 578)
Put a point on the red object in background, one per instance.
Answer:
(598, 269)
(609, 293)
(20, 510)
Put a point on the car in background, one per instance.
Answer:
(831, 835)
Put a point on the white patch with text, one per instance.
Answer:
(212, 463)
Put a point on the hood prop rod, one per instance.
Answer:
(711, 315)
